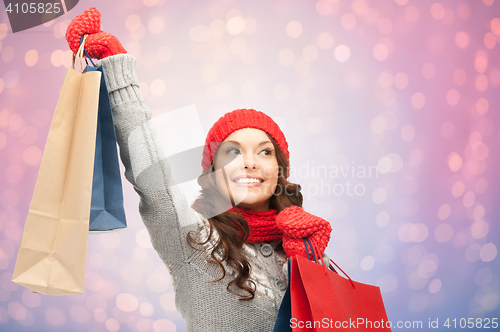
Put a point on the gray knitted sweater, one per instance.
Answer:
(168, 218)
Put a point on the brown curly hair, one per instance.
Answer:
(230, 241)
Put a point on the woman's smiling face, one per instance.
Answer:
(248, 159)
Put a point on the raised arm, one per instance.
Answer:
(163, 206)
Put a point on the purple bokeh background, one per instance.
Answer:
(410, 88)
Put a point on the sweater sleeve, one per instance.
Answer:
(163, 206)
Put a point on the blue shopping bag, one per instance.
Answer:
(283, 320)
(106, 208)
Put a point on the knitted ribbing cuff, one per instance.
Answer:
(120, 71)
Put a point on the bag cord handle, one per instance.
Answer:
(312, 244)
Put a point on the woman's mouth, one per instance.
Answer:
(248, 181)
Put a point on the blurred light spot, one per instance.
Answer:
(412, 14)
(95, 302)
(127, 302)
(31, 58)
(249, 88)
(3, 30)
(481, 186)
(383, 219)
(488, 252)
(469, 199)
(100, 315)
(14, 173)
(459, 76)
(139, 33)
(481, 63)
(155, 25)
(379, 196)
(448, 17)
(384, 254)
(167, 302)
(235, 25)
(294, 29)
(417, 280)
(472, 252)
(408, 133)
(401, 80)
(325, 40)
(348, 21)
(149, 3)
(7, 54)
(479, 229)
(453, 97)
(380, 52)
(281, 91)
(10, 78)
(480, 151)
(80, 314)
(132, 22)
(32, 155)
(458, 189)
(1, 85)
(495, 26)
(434, 286)
(237, 45)
(93, 281)
(221, 53)
(462, 39)
(454, 161)
(110, 240)
(437, 11)
(488, 2)
(144, 89)
(165, 54)
(55, 317)
(31, 299)
(217, 27)
(408, 185)
(371, 15)
(57, 58)
(286, 57)
(388, 282)
(490, 40)
(418, 100)
(3, 140)
(146, 309)
(483, 277)
(482, 105)
(342, 53)
(428, 70)
(158, 87)
(29, 135)
(112, 324)
(443, 233)
(367, 263)
(482, 82)
(310, 53)
(385, 26)
(162, 325)
(142, 238)
(250, 26)
(385, 79)
(9, 198)
(199, 33)
(463, 11)
(249, 56)
(159, 283)
(314, 125)
(447, 129)
(324, 7)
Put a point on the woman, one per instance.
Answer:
(226, 253)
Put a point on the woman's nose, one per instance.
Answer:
(249, 161)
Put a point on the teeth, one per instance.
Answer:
(247, 180)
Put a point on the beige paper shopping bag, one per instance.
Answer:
(53, 249)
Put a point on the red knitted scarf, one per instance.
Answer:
(262, 224)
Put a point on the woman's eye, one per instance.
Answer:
(232, 149)
(268, 152)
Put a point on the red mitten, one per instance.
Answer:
(99, 44)
(297, 224)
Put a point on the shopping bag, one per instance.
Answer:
(53, 249)
(322, 300)
(106, 209)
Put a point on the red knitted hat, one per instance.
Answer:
(239, 119)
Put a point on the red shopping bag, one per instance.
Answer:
(322, 300)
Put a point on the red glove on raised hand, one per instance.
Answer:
(297, 224)
(99, 44)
